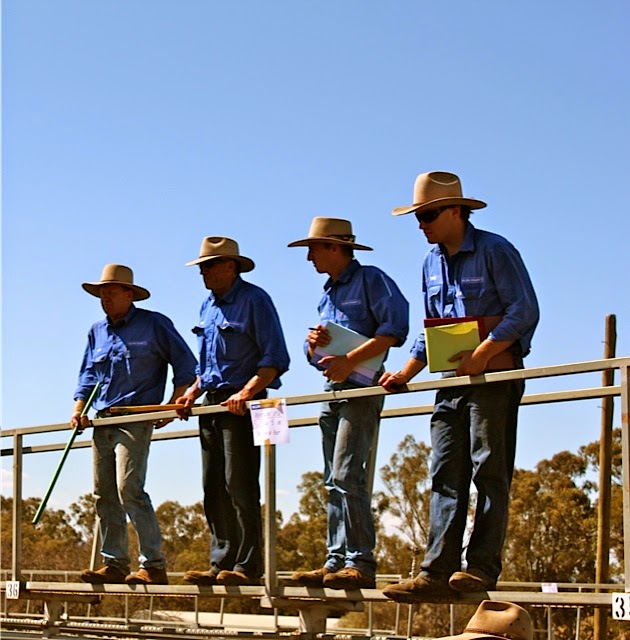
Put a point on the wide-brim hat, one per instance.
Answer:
(213, 247)
(437, 189)
(116, 274)
(497, 619)
(334, 230)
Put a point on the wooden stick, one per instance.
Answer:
(147, 408)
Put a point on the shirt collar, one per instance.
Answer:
(468, 244)
(231, 294)
(346, 274)
(128, 317)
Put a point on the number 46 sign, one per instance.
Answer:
(621, 606)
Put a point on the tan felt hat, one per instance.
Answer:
(333, 230)
(497, 619)
(213, 247)
(116, 274)
(437, 189)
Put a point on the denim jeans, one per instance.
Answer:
(348, 430)
(473, 437)
(231, 492)
(120, 467)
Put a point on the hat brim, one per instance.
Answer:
(94, 289)
(471, 203)
(467, 635)
(246, 263)
(307, 241)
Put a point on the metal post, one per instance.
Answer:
(602, 565)
(625, 463)
(371, 462)
(271, 579)
(16, 560)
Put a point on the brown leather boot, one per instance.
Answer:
(311, 578)
(349, 578)
(201, 578)
(150, 575)
(423, 588)
(105, 575)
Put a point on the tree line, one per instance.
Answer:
(552, 536)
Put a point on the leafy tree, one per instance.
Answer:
(407, 492)
(590, 453)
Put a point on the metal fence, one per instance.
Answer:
(572, 371)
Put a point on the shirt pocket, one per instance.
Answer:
(470, 294)
(233, 344)
(353, 311)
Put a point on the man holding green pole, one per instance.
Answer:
(127, 355)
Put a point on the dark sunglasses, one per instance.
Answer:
(209, 264)
(431, 215)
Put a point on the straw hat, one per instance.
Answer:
(116, 274)
(496, 619)
(214, 247)
(437, 189)
(333, 230)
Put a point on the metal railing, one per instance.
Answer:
(18, 450)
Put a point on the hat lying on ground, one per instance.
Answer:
(496, 619)
(116, 274)
(214, 247)
(437, 189)
(334, 230)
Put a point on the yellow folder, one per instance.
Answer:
(445, 340)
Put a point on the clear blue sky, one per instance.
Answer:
(130, 130)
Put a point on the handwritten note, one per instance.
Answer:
(270, 422)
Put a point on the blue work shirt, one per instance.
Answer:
(130, 360)
(366, 300)
(237, 335)
(486, 277)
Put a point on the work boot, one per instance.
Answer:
(235, 579)
(423, 588)
(471, 581)
(349, 578)
(311, 578)
(150, 575)
(201, 578)
(105, 575)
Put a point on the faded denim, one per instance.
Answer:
(121, 456)
(348, 431)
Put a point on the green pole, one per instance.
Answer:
(75, 432)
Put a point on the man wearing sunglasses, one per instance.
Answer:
(467, 273)
(242, 353)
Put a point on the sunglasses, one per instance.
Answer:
(209, 264)
(431, 215)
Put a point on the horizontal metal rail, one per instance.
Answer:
(271, 592)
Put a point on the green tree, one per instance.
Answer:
(407, 492)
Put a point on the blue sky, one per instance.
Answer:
(131, 130)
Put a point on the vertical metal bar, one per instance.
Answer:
(625, 463)
(96, 543)
(602, 565)
(371, 462)
(271, 579)
(16, 560)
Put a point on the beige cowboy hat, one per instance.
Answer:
(496, 619)
(333, 230)
(116, 274)
(213, 247)
(437, 189)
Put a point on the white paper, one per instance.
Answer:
(270, 421)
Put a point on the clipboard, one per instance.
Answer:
(447, 336)
(342, 341)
